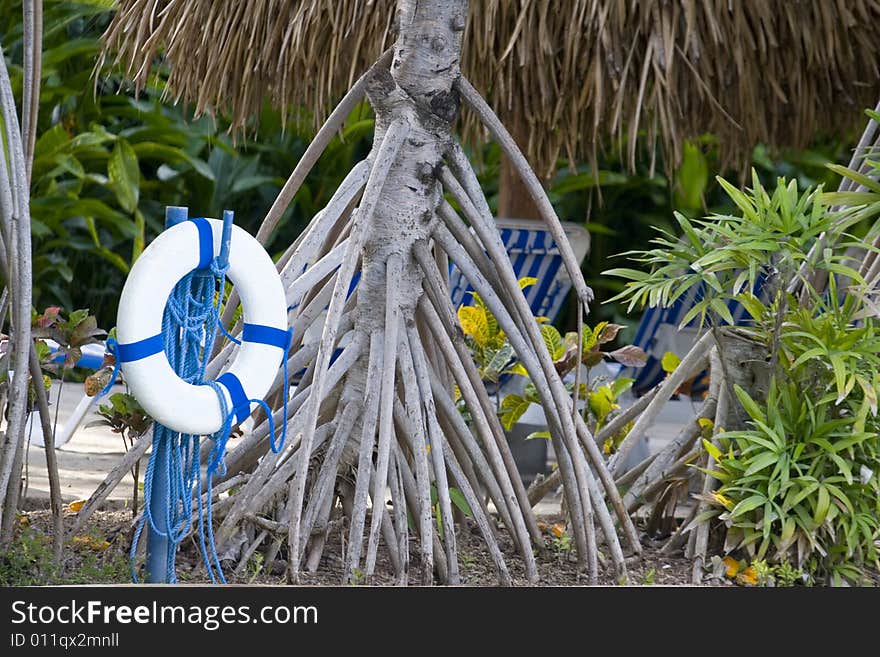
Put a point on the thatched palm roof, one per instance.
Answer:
(576, 71)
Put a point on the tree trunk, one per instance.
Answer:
(514, 201)
(378, 420)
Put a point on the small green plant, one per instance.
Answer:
(255, 567)
(73, 332)
(790, 485)
(494, 356)
(124, 415)
(600, 395)
(491, 351)
(797, 483)
(28, 560)
(357, 577)
(561, 544)
(650, 577)
(89, 559)
(728, 257)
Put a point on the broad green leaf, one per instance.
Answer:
(601, 403)
(850, 198)
(669, 362)
(761, 462)
(713, 451)
(839, 368)
(748, 403)
(458, 499)
(823, 501)
(843, 467)
(140, 224)
(720, 307)
(201, 167)
(748, 504)
(518, 369)
(125, 175)
(862, 179)
(742, 201)
(631, 274)
(554, 341)
(620, 385)
(512, 409)
(691, 177)
(497, 358)
(474, 324)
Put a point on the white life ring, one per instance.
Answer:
(182, 406)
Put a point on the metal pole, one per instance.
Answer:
(157, 545)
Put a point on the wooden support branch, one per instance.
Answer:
(702, 531)
(692, 363)
(325, 135)
(123, 467)
(51, 458)
(393, 268)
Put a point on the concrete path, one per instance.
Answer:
(83, 461)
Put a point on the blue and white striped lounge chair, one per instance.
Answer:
(92, 358)
(659, 332)
(533, 253)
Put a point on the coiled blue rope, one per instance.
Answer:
(189, 329)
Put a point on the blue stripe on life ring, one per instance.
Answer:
(240, 404)
(140, 349)
(269, 335)
(206, 242)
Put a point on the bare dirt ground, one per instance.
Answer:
(101, 556)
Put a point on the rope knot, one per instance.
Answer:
(219, 266)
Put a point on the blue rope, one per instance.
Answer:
(189, 329)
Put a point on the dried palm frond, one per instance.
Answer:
(574, 74)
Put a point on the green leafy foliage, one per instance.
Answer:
(106, 163)
(800, 483)
(491, 350)
(494, 356)
(124, 415)
(727, 256)
(78, 329)
(90, 559)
